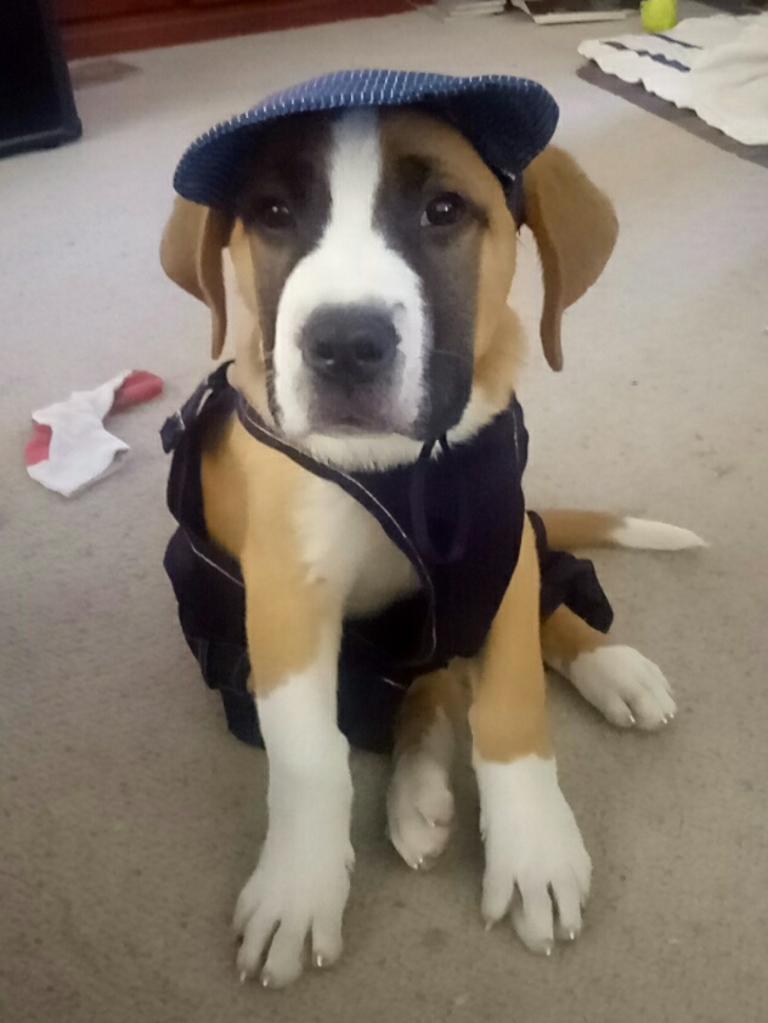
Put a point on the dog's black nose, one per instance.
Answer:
(349, 344)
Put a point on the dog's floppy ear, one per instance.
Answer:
(575, 228)
(191, 255)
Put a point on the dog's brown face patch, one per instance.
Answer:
(441, 207)
(471, 265)
(284, 204)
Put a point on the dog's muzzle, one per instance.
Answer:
(353, 364)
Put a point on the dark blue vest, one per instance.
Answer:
(457, 515)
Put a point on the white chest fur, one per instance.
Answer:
(345, 546)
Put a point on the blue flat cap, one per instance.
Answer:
(508, 120)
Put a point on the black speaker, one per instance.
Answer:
(37, 108)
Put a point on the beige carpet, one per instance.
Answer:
(131, 818)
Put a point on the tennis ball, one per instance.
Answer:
(659, 15)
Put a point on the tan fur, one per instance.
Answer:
(575, 228)
(508, 717)
(429, 695)
(564, 636)
(571, 529)
(248, 254)
(496, 369)
(225, 489)
(249, 490)
(190, 253)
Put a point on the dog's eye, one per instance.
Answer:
(274, 214)
(444, 210)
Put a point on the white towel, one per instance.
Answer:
(716, 66)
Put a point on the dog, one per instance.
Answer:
(360, 272)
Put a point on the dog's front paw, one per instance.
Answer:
(627, 687)
(297, 892)
(419, 807)
(536, 866)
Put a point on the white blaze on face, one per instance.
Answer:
(351, 265)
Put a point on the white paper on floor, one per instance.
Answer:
(717, 67)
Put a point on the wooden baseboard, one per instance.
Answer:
(192, 25)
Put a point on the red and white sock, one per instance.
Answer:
(70, 448)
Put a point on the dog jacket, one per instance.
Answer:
(457, 514)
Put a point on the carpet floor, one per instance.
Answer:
(131, 818)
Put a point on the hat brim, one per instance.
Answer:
(509, 121)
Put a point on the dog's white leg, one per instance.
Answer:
(536, 866)
(420, 800)
(300, 886)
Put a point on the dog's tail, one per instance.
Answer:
(571, 530)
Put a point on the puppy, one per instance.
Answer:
(361, 277)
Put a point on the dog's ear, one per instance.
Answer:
(191, 255)
(575, 228)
